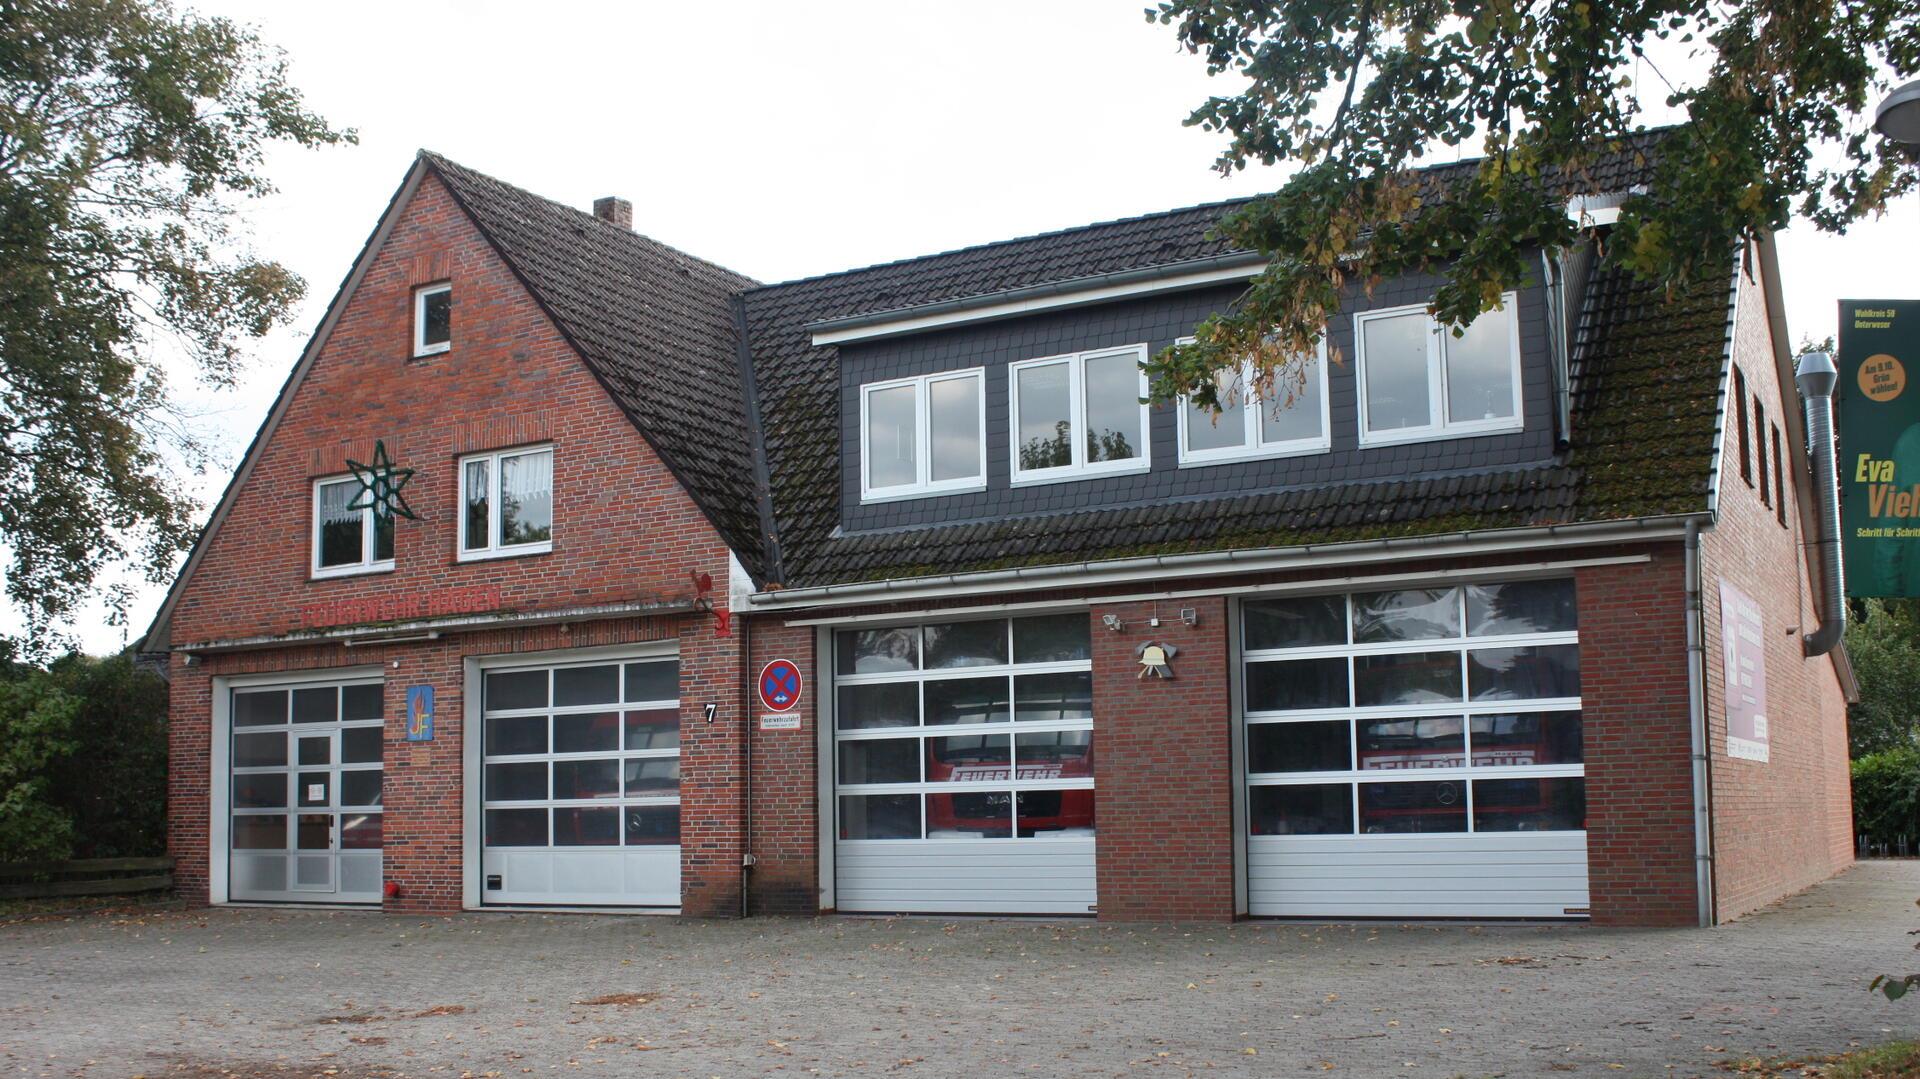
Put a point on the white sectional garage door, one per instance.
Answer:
(580, 784)
(1416, 753)
(965, 767)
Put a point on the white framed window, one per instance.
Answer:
(1418, 381)
(1078, 415)
(923, 436)
(347, 540)
(506, 503)
(432, 319)
(1297, 422)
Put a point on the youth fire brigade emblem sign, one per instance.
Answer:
(1156, 659)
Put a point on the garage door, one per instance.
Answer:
(580, 784)
(304, 793)
(965, 763)
(1416, 753)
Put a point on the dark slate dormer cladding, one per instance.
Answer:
(1158, 321)
(655, 326)
(1646, 371)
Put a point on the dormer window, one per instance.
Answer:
(1079, 415)
(1420, 382)
(1291, 419)
(923, 436)
(432, 319)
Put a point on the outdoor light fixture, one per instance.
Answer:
(1112, 622)
(1898, 117)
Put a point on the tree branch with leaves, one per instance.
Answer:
(130, 136)
(1358, 95)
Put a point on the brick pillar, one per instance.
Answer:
(785, 878)
(1163, 767)
(1633, 688)
(189, 771)
(712, 770)
(422, 788)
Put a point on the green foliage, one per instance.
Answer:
(1356, 93)
(1886, 795)
(83, 760)
(1883, 641)
(128, 134)
(36, 729)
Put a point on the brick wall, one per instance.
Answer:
(1785, 824)
(1164, 841)
(1633, 688)
(624, 531)
(1165, 838)
(785, 810)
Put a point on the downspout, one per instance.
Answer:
(1697, 730)
(1816, 377)
(746, 771)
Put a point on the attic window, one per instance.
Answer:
(432, 319)
(1248, 426)
(922, 435)
(1420, 381)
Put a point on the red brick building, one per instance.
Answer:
(571, 571)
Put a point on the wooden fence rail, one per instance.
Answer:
(91, 876)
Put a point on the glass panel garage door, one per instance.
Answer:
(305, 793)
(964, 757)
(580, 784)
(1416, 753)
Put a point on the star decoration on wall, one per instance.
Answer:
(380, 485)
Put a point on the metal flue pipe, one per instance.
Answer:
(1816, 377)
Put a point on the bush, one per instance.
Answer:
(1886, 795)
(1883, 641)
(83, 760)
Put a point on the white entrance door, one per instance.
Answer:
(964, 756)
(580, 784)
(1416, 753)
(305, 793)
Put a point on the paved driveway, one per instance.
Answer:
(251, 992)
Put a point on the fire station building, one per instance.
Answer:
(570, 571)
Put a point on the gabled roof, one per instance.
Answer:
(1646, 404)
(654, 325)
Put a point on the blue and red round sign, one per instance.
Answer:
(780, 685)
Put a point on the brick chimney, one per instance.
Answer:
(615, 209)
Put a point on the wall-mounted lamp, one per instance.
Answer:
(1112, 622)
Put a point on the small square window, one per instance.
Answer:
(432, 320)
(347, 539)
(1420, 381)
(506, 503)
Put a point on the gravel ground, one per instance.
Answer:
(237, 994)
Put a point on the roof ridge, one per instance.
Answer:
(440, 160)
(966, 248)
(1050, 234)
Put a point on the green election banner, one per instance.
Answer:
(1879, 463)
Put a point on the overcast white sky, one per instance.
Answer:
(781, 140)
